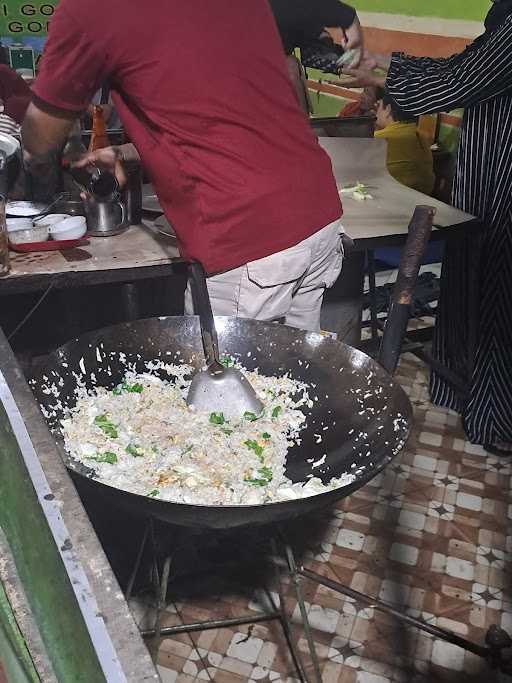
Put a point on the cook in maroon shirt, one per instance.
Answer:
(203, 92)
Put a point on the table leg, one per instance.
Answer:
(130, 298)
(370, 254)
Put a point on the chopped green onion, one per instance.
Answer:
(217, 418)
(250, 417)
(265, 477)
(133, 388)
(256, 482)
(108, 456)
(187, 449)
(254, 446)
(266, 436)
(153, 493)
(106, 426)
(128, 388)
(227, 431)
(276, 411)
(134, 450)
(227, 361)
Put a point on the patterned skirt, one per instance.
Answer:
(487, 408)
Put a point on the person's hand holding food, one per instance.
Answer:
(370, 72)
(352, 42)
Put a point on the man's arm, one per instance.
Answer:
(71, 70)
(43, 137)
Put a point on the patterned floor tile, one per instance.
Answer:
(430, 535)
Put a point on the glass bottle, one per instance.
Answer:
(99, 137)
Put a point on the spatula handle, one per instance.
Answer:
(203, 308)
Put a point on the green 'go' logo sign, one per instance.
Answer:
(19, 18)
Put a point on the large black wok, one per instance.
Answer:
(362, 415)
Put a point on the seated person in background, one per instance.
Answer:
(409, 158)
(364, 106)
(15, 96)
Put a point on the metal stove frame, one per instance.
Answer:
(285, 566)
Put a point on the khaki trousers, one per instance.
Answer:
(287, 286)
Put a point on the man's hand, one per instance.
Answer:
(350, 39)
(353, 36)
(365, 73)
(108, 158)
(362, 78)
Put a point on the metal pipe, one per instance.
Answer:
(285, 621)
(136, 568)
(388, 609)
(212, 624)
(294, 577)
(374, 323)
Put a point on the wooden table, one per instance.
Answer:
(142, 251)
(138, 253)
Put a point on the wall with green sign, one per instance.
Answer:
(20, 18)
(473, 10)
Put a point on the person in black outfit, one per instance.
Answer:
(478, 79)
(303, 23)
(300, 22)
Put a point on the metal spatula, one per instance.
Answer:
(216, 389)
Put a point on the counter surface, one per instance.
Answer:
(136, 253)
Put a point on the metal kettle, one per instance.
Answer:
(105, 218)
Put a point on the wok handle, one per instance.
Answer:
(420, 228)
(203, 308)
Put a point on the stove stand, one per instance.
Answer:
(283, 564)
(285, 567)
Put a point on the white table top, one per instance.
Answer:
(389, 212)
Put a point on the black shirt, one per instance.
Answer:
(301, 21)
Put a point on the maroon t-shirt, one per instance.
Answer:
(202, 89)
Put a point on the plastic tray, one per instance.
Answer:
(50, 245)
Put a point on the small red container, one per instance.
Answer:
(50, 245)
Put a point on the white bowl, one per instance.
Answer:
(51, 219)
(72, 228)
(21, 208)
(18, 224)
(28, 235)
